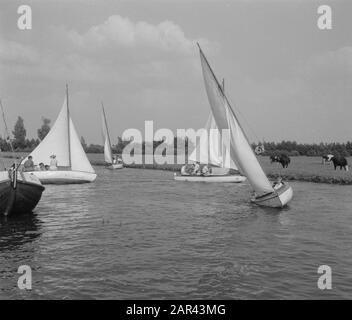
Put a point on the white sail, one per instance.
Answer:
(215, 147)
(63, 141)
(79, 160)
(212, 149)
(106, 138)
(241, 151)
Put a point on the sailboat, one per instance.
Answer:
(111, 163)
(268, 194)
(213, 152)
(63, 142)
(20, 192)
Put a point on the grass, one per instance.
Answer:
(307, 169)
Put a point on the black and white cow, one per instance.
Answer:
(326, 158)
(284, 159)
(340, 162)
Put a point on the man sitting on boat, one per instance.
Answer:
(28, 164)
(53, 163)
(41, 167)
(196, 169)
(206, 170)
(278, 183)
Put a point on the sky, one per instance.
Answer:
(286, 78)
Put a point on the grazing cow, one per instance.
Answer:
(284, 159)
(327, 158)
(340, 162)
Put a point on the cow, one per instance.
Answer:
(326, 158)
(340, 162)
(284, 159)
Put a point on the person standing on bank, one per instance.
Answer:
(53, 163)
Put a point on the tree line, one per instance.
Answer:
(292, 148)
(21, 143)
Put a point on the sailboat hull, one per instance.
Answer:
(64, 177)
(115, 166)
(21, 199)
(211, 178)
(277, 199)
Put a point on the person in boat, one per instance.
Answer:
(114, 160)
(196, 168)
(205, 170)
(28, 164)
(41, 166)
(53, 163)
(278, 183)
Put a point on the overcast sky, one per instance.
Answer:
(288, 79)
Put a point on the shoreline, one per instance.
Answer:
(271, 175)
(305, 169)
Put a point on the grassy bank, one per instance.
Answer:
(308, 169)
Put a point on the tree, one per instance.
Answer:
(44, 130)
(19, 134)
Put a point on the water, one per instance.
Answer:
(137, 234)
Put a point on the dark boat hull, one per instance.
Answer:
(22, 199)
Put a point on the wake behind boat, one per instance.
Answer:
(69, 163)
(112, 162)
(265, 193)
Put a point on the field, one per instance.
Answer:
(303, 168)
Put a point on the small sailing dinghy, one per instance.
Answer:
(20, 192)
(265, 193)
(112, 162)
(212, 153)
(63, 143)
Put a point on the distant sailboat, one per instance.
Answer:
(266, 194)
(20, 192)
(63, 142)
(214, 152)
(112, 163)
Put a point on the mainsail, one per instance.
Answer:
(225, 118)
(106, 138)
(213, 148)
(63, 141)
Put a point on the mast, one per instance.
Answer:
(106, 127)
(68, 128)
(6, 128)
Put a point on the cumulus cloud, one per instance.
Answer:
(122, 32)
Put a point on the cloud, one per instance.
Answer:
(14, 52)
(122, 32)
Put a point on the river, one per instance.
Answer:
(137, 234)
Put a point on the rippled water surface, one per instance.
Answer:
(138, 234)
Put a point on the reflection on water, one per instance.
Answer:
(139, 234)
